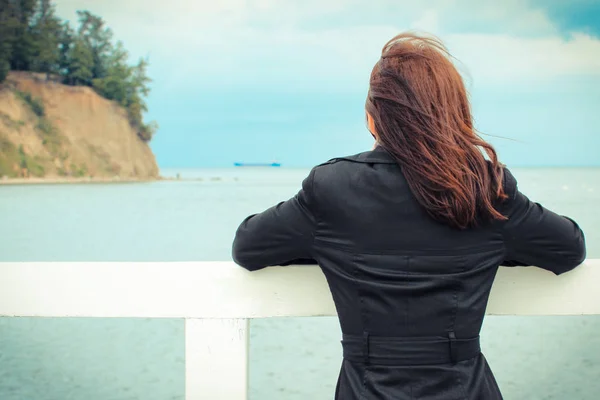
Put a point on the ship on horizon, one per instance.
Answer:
(243, 164)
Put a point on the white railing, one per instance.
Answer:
(217, 299)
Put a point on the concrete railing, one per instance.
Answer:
(217, 299)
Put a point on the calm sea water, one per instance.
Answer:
(291, 358)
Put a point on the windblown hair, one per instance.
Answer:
(421, 111)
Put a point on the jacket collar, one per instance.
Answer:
(376, 156)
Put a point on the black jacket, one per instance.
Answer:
(410, 292)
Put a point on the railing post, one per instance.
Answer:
(216, 359)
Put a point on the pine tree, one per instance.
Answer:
(6, 37)
(22, 39)
(66, 41)
(46, 29)
(98, 37)
(115, 84)
(81, 63)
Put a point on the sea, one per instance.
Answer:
(194, 219)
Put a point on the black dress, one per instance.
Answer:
(410, 292)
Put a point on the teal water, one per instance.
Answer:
(291, 358)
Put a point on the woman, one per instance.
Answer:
(410, 235)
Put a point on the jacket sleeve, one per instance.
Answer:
(281, 235)
(536, 236)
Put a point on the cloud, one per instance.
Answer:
(500, 59)
(513, 17)
(332, 45)
(573, 15)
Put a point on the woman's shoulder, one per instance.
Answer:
(338, 169)
(353, 158)
(338, 174)
(376, 156)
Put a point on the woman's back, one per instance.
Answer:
(410, 291)
(410, 275)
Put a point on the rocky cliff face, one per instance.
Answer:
(50, 130)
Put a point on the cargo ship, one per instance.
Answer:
(242, 164)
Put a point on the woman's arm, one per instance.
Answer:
(537, 236)
(281, 235)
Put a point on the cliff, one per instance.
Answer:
(52, 130)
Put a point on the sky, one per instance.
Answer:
(286, 80)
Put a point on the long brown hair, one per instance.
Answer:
(422, 116)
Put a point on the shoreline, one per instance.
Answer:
(59, 180)
(65, 180)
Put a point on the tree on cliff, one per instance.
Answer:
(98, 39)
(33, 39)
(17, 39)
(66, 41)
(6, 36)
(127, 85)
(46, 30)
(29, 31)
(80, 64)
(5, 46)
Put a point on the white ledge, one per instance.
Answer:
(224, 290)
